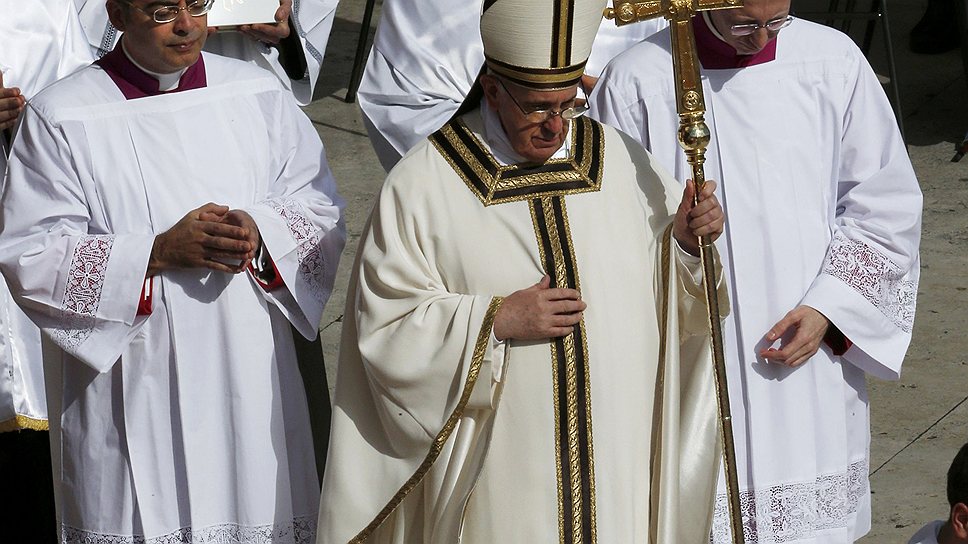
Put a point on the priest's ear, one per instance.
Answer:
(959, 522)
(958, 496)
(117, 13)
(491, 87)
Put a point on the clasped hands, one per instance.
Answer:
(540, 311)
(212, 236)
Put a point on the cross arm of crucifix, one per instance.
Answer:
(630, 11)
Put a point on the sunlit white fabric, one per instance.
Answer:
(193, 419)
(823, 209)
(40, 42)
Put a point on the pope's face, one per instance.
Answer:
(535, 142)
(162, 48)
(753, 11)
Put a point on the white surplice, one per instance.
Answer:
(425, 61)
(436, 438)
(40, 42)
(189, 424)
(823, 209)
(313, 21)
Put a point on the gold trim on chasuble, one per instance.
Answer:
(494, 183)
(480, 348)
(545, 187)
(23, 423)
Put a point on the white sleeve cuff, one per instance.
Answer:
(690, 263)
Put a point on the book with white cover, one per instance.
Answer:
(242, 12)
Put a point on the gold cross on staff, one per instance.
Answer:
(689, 97)
(693, 138)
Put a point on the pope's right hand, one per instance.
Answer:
(538, 312)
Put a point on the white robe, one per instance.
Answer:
(425, 61)
(313, 22)
(40, 42)
(823, 209)
(191, 422)
(928, 534)
(417, 372)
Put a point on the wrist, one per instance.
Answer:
(155, 262)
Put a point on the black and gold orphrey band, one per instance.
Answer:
(574, 455)
(494, 183)
(545, 187)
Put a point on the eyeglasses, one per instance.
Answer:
(774, 25)
(540, 116)
(168, 14)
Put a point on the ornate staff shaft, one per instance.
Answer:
(693, 138)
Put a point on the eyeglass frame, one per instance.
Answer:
(741, 28)
(576, 110)
(208, 4)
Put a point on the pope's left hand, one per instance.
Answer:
(811, 327)
(693, 221)
(271, 33)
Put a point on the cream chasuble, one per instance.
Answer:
(188, 424)
(605, 435)
(40, 42)
(823, 209)
(312, 21)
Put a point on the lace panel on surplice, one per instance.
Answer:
(300, 530)
(795, 511)
(878, 279)
(82, 294)
(306, 233)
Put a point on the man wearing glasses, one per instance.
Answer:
(820, 251)
(167, 216)
(527, 276)
(292, 47)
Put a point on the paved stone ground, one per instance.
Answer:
(919, 422)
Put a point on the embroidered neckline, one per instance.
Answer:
(494, 183)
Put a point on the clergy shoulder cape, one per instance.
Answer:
(824, 210)
(188, 424)
(40, 42)
(312, 20)
(425, 61)
(607, 434)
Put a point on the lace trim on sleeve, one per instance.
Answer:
(878, 279)
(306, 233)
(792, 512)
(82, 296)
(300, 530)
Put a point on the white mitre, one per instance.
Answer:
(543, 45)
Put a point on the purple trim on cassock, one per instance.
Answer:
(715, 54)
(133, 82)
